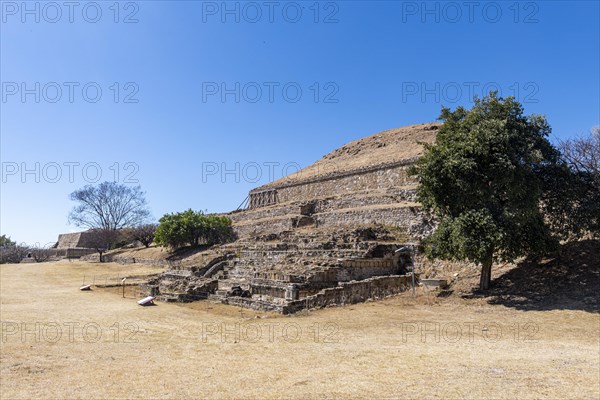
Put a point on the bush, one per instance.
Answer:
(12, 253)
(191, 228)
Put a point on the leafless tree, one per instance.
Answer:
(13, 253)
(574, 204)
(109, 206)
(144, 233)
(102, 240)
(583, 153)
(41, 253)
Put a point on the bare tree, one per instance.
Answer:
(573, 204)
(102, 240)
(13, 253)
(41, 254)
(583, 153)
(144, 233)
(109, 206)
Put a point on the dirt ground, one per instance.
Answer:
(60, 342)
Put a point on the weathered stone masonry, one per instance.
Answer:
(318, 239)
(333, 184)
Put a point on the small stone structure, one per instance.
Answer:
(79, 240)
(73, 245)
(325, 235)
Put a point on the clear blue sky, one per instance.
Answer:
(361, 67)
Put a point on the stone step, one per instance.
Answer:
(168, 297)
(177, 273)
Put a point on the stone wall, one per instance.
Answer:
(373, 178)
(95, 257)
(406, 216)
(257, 287)
(346, 293)
(56, 253)
(353, 270)
(409, 218)
(264, 212)
(365, 199)
(259, 227)
(351, 292)
(303, 207)
(77, 252)
(254, 304)
(278, 276)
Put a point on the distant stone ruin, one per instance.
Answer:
(73, 240)
(326, 235)
(74, 245)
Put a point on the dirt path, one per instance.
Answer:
(98, 345)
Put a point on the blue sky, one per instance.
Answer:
(199, 102)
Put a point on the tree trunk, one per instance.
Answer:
(486, 274)
(101, 259)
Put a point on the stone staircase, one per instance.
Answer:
(265, 272)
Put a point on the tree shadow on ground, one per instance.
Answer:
(187, 251)
(571, 281)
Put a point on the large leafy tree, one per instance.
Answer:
(484, 180)
(180, 229)
(192, 228)
(219, 229)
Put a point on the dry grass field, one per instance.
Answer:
(59, 342)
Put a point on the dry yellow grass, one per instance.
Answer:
(360, 351)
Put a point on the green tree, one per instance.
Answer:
(5, 241)
(484, 179)
(219, 229)
(192, 228)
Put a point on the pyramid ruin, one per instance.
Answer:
(76, 240)
(325, 235)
